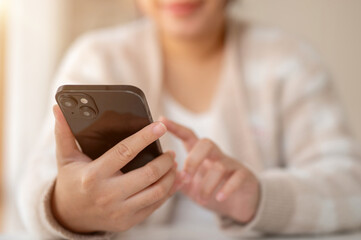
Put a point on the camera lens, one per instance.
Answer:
(87, 112)
(84, 101)
(68, 102)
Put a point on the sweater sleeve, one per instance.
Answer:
(315, 187)
(81, 65)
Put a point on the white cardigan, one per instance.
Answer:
(276, 113)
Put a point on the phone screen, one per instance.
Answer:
(101, 118)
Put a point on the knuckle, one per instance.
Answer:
(152, 172)
(103, 201)
(207, 164)
(124, 151)
(207, 142)
(218, 166)
(145, 137)
(241, 175)
(159, 193)
(88, 181)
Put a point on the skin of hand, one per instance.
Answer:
(214, 180)
(92, 196)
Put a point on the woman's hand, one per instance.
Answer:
(94, 196)
(215, 180)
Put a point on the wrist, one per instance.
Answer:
(62, 214)
(246, 205)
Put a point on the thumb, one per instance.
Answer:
(65, 142)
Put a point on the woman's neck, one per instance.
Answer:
(198, 48)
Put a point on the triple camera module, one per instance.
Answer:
(79, 105)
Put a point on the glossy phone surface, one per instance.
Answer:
(100, 116)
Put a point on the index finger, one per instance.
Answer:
(125, 151)
(188, 137)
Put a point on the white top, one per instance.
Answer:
(187, 213)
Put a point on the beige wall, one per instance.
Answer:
(333, 27)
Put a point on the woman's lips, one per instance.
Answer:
(182, 9)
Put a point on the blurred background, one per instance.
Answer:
(34, 35)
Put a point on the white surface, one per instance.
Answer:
(207, 233)
(199, 234)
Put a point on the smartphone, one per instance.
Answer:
(100, 116)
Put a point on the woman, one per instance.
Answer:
(266, 145)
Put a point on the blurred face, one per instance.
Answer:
(185, 18)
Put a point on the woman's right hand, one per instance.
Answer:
(94, 196)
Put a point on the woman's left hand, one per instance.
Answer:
(214, 180)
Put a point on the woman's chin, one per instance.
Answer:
(186, 30)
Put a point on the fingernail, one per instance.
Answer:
(220, 197)
(159, 128)
(186, 177)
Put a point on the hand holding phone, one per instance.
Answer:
(100, 116)
(92, 196)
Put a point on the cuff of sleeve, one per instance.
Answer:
(276, 208)
(59, 231)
